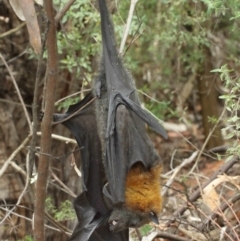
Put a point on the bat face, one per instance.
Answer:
(120, 219)
(142, 199)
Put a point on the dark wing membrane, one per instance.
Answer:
(143, 114)
(91, 207)
(81, 104)
(119, 84)
(127, 145)
(92, 226)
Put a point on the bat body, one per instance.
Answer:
(131, 163)
(121, 170)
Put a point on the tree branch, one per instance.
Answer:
(61, 12)
(45, 143)
(18, 93)
(130, 15)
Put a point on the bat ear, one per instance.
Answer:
(153, 217)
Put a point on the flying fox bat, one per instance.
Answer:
(121, 170)
(131, 164)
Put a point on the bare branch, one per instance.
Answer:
(20, 196)
(60, 138)
(13, 155)
(69, 96)
(12, 30)
(130, 15)
(177, 169)
(206, 141)
(61, 12)
(18, 93)
(30, 220)
(45, 143)
(69, 191)
(170, 237)
(197, 193)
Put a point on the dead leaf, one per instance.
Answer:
(235, 180)
(17, 9)
(32, 24)
(209, 194)
(25, 10)
(40, 2)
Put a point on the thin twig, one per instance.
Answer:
(12, 30)
(30, 220)
(223, 207)
(228, 221)
(133, 40)
(177, 169)
(18, 169)
(197, 193)
(21, 195)
(14, 154)
(18, 93)
(170, 236)
(61, 12)
(13, 102)
(129, 20)
(69, 96)
(75, 113)
(206, 141)
(213, 221)
(60, 138)
(138, 234)
(16, 57)
(69, 191)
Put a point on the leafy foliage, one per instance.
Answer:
(27, 238)
(66, 103)
(78, 40)
(144, 230)
(232, 105)
(65, 211)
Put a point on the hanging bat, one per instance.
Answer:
(121, 170)
(132, 165)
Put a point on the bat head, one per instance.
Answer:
(123, 218)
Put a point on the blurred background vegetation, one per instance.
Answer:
(171, 51)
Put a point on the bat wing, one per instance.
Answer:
(92, 226)
(81, 121)
(120, 86)
(92, 208)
